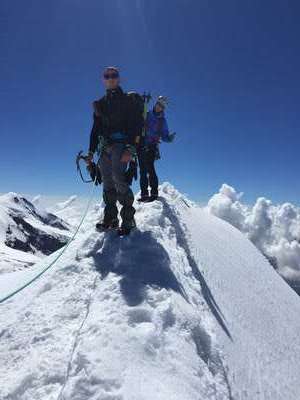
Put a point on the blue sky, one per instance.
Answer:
(231, 70)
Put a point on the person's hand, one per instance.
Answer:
(89, 158)
(126, 156)
(172, 137)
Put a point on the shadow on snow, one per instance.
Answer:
(206, 292)
(140, 260)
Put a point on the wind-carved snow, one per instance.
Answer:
(171, 312)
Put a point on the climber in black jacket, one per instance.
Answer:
(117, 124)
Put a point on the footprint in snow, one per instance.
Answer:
(138, 316)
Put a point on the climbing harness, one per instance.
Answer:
(12, 294)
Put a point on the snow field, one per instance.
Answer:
(115, 319)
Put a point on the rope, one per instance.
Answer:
(9, 296)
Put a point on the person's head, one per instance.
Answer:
(158, 108)
(111, 78)
(160, 104)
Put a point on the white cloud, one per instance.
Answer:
(225, 205)
(275, 230)
(258, 224)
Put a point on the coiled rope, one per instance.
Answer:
(63, 250)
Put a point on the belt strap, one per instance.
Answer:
(117, 136)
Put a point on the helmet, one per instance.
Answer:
(162, 101)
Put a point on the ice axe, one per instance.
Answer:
(92, 168)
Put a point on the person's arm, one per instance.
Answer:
(165, 134)
(135, 126)
(95, 132)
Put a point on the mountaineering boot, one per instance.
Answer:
(127, 212)
(144, 196)
(110, 220)
(144, 199)
(153, 197)
(107, 225)
(126, 228)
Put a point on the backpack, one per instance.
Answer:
(140, 103)
(137, 101)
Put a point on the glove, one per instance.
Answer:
(89, 157)
(171, 137)
(131, 172)
(94, 172)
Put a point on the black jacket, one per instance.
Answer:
(115, 112)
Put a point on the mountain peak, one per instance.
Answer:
(11, 197)
(27, 232)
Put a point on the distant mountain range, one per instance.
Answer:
(27, 233)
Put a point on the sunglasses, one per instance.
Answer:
(113, 75)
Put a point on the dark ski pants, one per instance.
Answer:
(148, 176)
(115, 185)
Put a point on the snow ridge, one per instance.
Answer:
(142, 330)
(205, 290)
(166, 313)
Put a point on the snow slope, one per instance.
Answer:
(185, 308)
(27, 233)
(260, 311)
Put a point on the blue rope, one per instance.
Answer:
(9, 296)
